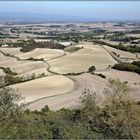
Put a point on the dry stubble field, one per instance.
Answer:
(81, 60)
(60, 91)
(23, 67)
(12, 51)
(123, 54)
(132, 78)
(46, 54)
(44, 87)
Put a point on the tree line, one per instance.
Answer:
(133, 67)
(129, 48)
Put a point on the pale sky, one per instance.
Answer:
(127, 10)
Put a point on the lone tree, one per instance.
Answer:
(91, 69)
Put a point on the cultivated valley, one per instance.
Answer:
(69, 78)
(58, 67)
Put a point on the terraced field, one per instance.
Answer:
(123, 54)
(46, 54)
(82, 59)
(132, 78)
(44, 87)
(134, 35)
(111, 42)
(60, 91)
(71, 99)
(5, 58)
(23, 68)
(12, 51)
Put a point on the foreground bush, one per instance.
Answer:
(117, 118)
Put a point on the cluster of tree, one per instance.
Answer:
(13, 30)
(135, 31)
(39, 33)
(2, 36)
(129, 48)
(50, 44)
(92, 69)
(100, 74)
(74, 74)
(12, 78)
(117, 118)
(135, 42)
(123, 39)
(76, 37)
(29, 45)
(47, 37)
(19, 43)
(72, 49)
(1, 33)
(134, 66)
(137, 63)
(8, 71)
(35, 59)
(69, 37)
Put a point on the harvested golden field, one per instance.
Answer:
(29, 67)
(5, 58)
(72, 98)
(42, 53)
(123, 54)
(12, 51)
(138, 54)
(81, 60)
(1, 72)
(44, 87)
(59, 91)
(24, 68)
(92, 82)
(132, 78)
(134, 35)
(111, 42)
(37, 72)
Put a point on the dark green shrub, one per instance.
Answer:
(91, 69)
(101, 75)
(8, 71)
(45, 109)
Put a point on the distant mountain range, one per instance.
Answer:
(39, 17)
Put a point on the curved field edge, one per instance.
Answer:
(81, 60)
(44, 87)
